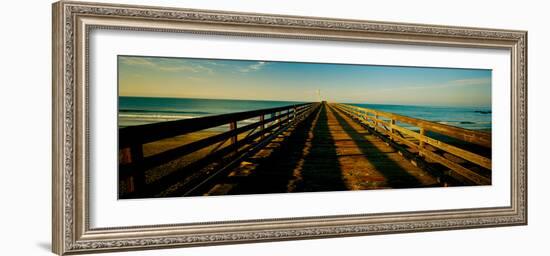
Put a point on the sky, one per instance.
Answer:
(299, 81)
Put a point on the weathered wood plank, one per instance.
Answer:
(134, 170)
(472, 157)
(476, 137)
(423, 146)
(152, 132)
(462, 171)
(171, 154)
(332, 153)
(342, 148)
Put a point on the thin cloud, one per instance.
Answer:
(254, 67)
(452, 83)
(471, 81)
(137, 61)
(184, 68)
(166, 65)
(214, 63)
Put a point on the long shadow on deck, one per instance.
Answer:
(321, 170)
(396, 176)
(300, 164)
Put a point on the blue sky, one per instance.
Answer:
(296, 81)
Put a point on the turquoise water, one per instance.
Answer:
(474, 118)
(143, 110)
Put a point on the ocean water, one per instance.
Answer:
(473, 118)
(143, 110)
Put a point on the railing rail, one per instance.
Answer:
(133, 164)
(142, 134)
(389, 127)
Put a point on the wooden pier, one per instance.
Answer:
(301, 148)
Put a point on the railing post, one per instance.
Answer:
(421, 143)
(233, 127)
(294, 114)
(278, 118)
(262, 127)
(392, 123)
(136, 180)
(376, 121)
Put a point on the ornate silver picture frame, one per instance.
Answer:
(72, 208)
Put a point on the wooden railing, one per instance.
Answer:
(133, 164)
(388, 124)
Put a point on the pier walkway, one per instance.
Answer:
(330, 153)
(301, 148)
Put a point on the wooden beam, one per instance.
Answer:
(469, 156)
(458, 170)
(476, 137)
(462, 171)
(142, 134)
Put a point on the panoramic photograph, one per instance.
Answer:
(212, 127)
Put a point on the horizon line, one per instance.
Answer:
(349, 103)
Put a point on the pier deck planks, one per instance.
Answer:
(327, 152)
